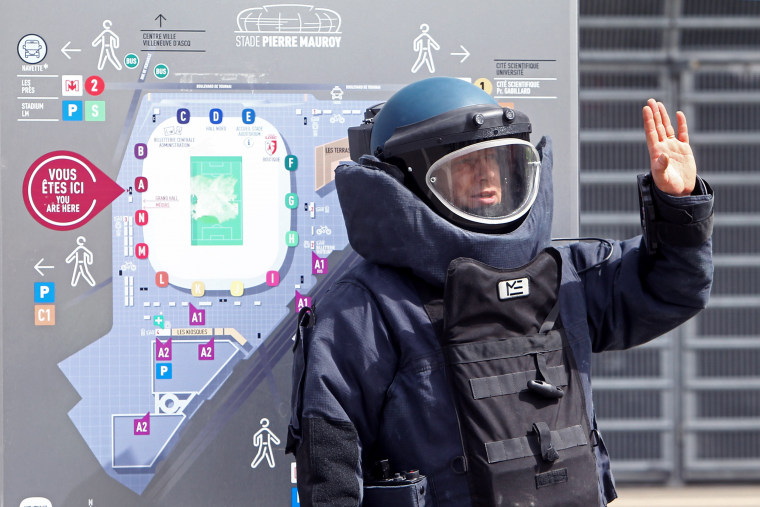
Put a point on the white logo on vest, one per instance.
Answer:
(517, 288)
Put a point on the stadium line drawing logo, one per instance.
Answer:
(288, 18)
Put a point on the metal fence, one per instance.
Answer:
(687, 406)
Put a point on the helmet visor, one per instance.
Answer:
(491, 182)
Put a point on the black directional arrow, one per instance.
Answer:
(160, 19)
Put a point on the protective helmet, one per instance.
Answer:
(467, 157)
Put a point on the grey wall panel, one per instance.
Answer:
(79, 392)
(701, 57)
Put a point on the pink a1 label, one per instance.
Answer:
(318, 265)
(302, 301)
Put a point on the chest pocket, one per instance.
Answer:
(520, 404)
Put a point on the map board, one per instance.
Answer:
(168, 205)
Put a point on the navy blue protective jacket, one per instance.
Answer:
(369, 378)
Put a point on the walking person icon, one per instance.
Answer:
(108, 41)
(263, 440)
(424, 44)
(81, 257)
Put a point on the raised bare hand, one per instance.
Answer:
(672, 163)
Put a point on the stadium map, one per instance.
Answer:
(200, 279)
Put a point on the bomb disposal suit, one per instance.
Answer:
(451, 366)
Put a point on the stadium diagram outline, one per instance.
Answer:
(288, 18)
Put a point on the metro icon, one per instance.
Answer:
(71, 86)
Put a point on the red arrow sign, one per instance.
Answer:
(63, 190)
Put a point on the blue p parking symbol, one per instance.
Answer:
(72, 110)
(44, 292)
(163, 371)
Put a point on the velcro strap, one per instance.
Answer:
(522, 447)
(551, 319)
(693, 234)
(303, 321)
(512, 383)
(543, 368)
(548, 452)
(647, 212)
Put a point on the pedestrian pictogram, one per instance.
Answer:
(263, 440)
(82, 259)
(424, 45)
(108, 42)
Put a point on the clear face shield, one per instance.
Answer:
(491, 182)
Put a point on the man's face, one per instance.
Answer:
(475, 180)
